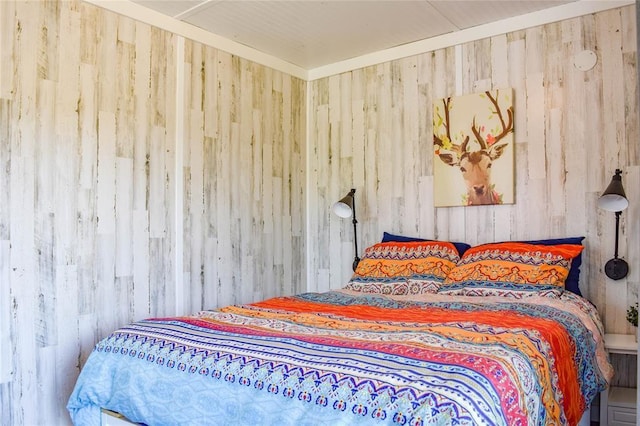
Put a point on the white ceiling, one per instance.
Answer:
(313, 33)
(312, 39)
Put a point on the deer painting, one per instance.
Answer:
(473, 142)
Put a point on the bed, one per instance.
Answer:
(421, 335)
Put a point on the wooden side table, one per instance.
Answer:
(617, 404)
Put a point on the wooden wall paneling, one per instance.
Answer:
(475, 79)
(209, 76)
(124, 216)
(564, 149)
(457, 220)
(500, 79)
(630, 65)
(245, 179)
(23, 274)
(172, 280)
(66, 368)
(6, 361)
(46, 331)
(340, 234)
(443, 82)
(67, 145)
(86, 208)
(426, 219)
(105, 210)
(249, 161)
(632, 170)
(575, 139)
(124, 169)
(274, 213)
(7, 28)
(535, 104)
(226, 287)
(323, 199)
(141, 95)
(411, 147)
(287, 171)
(298, 173)
(278, 235)
(396, 130)
(368, 202)
(556, 68)
(234, 198)
(516, 64)
(312, 195)
(141, 262)
(256, 226)
(140, 236)
(358, 130)
(191, 174)
(266, 203)
(24, 296)
(194, 187)
(160, 190)
(267, 213)
(346, 128)
(608, 27)
(632, 227)
(210, 269)
(44, 212)
(384, 149)
(499, 66)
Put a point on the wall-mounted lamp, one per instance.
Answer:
(344, 208)
(614, 199)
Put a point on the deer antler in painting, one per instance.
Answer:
(445, 142)
(506, 127)
(475, 165)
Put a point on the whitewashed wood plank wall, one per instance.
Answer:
(111, 129)
(101, 149)
(371, 130)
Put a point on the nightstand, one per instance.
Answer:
(617, 404)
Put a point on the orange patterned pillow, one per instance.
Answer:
(391, 263)
(512, 266)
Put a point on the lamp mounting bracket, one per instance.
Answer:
(616, 268)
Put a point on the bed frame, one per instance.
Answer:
(111, 418)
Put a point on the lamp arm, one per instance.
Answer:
(356, 259)
(615, 253)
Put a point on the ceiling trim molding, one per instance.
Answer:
(546, 16)
(529, 20)
(157, 19)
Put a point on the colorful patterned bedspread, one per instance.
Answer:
(346, 358)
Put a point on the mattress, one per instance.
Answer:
(346, 357)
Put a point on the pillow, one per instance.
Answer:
(403, 287)
(400, 268)
(386, 237)
(502, 292)
(573, 280)
(510, 268)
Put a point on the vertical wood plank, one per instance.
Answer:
(7, 28)
(6, 356)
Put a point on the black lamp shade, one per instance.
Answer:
(344, 207)
(614, 199)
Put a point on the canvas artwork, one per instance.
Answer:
(474, 149)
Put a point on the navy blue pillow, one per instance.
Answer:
(573, 279)
(386, 237)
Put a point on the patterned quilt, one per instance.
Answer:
(344, 357)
